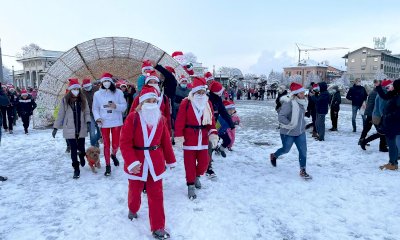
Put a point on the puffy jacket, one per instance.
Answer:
(335, 101)
(357, 94)
(4, 101)
(371, 102)
(322, 100)
(26, 106)
(169, 83)
(111, 117)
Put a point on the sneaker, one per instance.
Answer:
(3, 179)
(161, 234)
(222, 151)
(132, 215)
(115, 160)
(11, 132)
(273, 158)
(68, 150)
(304, 174)
(197, 183)
(389, 166)
(192, 192)
(77, 174)
(210, 173)
(108, 171)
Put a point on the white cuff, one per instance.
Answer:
(132, 165)
(171, 165)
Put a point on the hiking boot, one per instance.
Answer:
(192, 192)
(2, 179)
(389, 166)
(197, 183)
(273, 158)
(132, 215)
(210, 173)
(115, 160)
(222, 151)
(108, 171)
(161, 234)
(77, 174)
(68, 150)
(304, 174)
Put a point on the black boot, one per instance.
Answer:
(362, 144)
(272, 157)
(115, 160)
(68, 150)
(108, 171)
(26, 130)
(77, 172)
(82, 158)
(2, 179)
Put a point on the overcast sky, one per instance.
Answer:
(255, 36)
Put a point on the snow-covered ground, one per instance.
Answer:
(349, 197)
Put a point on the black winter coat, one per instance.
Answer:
(322, 100)
(26, 106)
(278, 100)
(335, 101)
(219, 109)
(391, 117)
(169, 83)
(371, 102)
(4, 101)
(357, 94)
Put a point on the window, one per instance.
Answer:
(375, 68)
(363, 60)
(362, 67)
(364, 51)
(375, 59)
(353, 60)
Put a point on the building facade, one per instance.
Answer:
(35, 65)
(365, 63)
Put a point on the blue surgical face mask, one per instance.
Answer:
(183, 85)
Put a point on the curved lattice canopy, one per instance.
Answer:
(119, 56)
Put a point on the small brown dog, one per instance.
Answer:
(93, 158)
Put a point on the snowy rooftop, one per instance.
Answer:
(309, 63)
(41, 54)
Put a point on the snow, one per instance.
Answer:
(348, 198)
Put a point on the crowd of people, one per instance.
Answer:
(198, 116)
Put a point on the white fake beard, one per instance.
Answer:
(151, 116)
(200, 104)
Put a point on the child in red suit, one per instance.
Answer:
(147, 150)
(194, 128)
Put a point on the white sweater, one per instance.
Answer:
(111, 117)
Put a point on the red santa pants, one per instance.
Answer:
(155, 199)
(105, 133)
(196, 163)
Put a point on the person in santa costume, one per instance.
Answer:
(153, 80)
(147, 151)
(209, 77)
(180, 58)
(215, 96)
(88, 91)
(195, 128)
(74, 119)
(292, 126)
(108, 106)
(146, 66)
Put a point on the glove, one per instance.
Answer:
(88, 127)
(213, 138)
(179, 141)
(54, 132)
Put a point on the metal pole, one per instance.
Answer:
(1, 65)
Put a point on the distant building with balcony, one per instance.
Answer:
(35, 66)
(365, 63)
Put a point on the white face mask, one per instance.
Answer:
(88, 88)
(107, 84)
(155, 85)
(151, 113)
(75, 92)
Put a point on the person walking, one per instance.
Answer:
(292, 127)
(8, 111)
(357, 95)
(88, 91)
(322, 107)
(108, 106)
(334, 103)
(26, 105)
(74, 119)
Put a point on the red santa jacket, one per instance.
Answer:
(165, 109)
(135, 133)
(185, 125)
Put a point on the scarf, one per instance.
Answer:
(296, 102)
(207, 114)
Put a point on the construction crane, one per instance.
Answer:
(315, 49)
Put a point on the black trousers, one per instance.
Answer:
(25, 120)
(226, 140)
(334, 118)
(8, 117)
(77, 145)
(367, 126)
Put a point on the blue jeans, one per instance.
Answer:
(354, 116)
(301, 144)
(320, 126)
(1, 124)
(393, 144)
(94, 133)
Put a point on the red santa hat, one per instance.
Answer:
(177, 54)
(147, 93)
(86, 82)
(121, 83)
(296, 88)
(10, 86)
(217, 88)
(183, 78)
(170, 69)
(24, 92)
(386, 82)
(228, 104)
(151, 75)
(106, 77)
(146, 66)
(315, 87)
(73, 83)
(208, 76)
(198, 84)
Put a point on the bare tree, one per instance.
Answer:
(190, 57)
(31, 48)
(7, 75)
